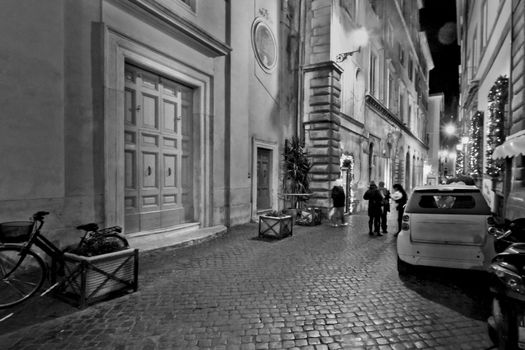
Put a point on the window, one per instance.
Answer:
(469, 66)
(389, 89)
(349, 6)
(410, 69)
(409, 122)
(390, 34)
(475, 52)
(484, 24)
(347, 92)
(373, 4)
(190, 3)
(372, 74)
(401, 105)
(401, 55)
(447, 202)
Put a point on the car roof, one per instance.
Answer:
(449, 187)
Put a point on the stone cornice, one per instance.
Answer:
(172, 21)
(323, 65)
(385, 113)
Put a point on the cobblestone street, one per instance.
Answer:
(322, 288)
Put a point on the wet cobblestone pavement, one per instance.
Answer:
(322, 288)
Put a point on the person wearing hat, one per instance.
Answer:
(374, 209)
(385, 205)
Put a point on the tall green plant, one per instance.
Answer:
(297, 168)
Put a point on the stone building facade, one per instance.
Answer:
(369, 111)
(484, 33)
(169, 117)
(492, 35)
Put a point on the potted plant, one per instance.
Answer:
(97, 270)
(296, 179)
(275, 225)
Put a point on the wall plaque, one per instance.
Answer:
(264, 45)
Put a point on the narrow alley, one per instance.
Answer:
(322, 288)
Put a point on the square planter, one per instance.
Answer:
(275, 227)
(90, 279)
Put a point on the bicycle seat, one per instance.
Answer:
(88, 227)
(40, 215)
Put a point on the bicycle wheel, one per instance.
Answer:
(18, 285)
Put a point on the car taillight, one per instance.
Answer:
(510, 278)
(405, 225)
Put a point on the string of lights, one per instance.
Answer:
(495, 130)
(475, 160)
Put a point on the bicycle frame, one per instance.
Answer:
(41, 242)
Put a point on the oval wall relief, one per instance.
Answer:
(264, 45)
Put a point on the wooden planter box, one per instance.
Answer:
(275, 227)
(90, 279)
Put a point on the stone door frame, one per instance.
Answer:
(119, 50)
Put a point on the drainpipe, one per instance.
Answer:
(227, 121)
(300, 63)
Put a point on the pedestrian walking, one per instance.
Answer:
(385, 205)
(400, 197)
(337, 211)
(374, 209)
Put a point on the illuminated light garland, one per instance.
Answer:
(497, 99)
(460, 162)
(475, 160)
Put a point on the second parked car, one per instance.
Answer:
(445, 226)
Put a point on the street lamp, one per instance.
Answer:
(450, 129)
(358, 37)
(342, 56)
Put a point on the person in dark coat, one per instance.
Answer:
(374, 208)
(400, 197)
(338, 199)
(385, 205)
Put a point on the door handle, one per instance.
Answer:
(149, 171)
(169, 171)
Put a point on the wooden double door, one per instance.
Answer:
(158, 151)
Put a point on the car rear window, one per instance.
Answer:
(440, 202)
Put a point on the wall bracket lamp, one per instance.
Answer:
(342, 56)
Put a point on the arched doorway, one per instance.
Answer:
(413, 182)
(388, 171)
(348, 176)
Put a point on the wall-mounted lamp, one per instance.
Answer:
(357, 38)
(342, 56)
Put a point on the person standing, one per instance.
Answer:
(385, 205)
(400, 197)
(338, 199)
(374, 208)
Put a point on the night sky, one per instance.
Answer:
(438, 20)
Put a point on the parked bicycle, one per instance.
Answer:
(23, 271)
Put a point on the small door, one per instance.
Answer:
(263, 179)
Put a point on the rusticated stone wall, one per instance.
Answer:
(321, 125)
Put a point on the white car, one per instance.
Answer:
(445, 226)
